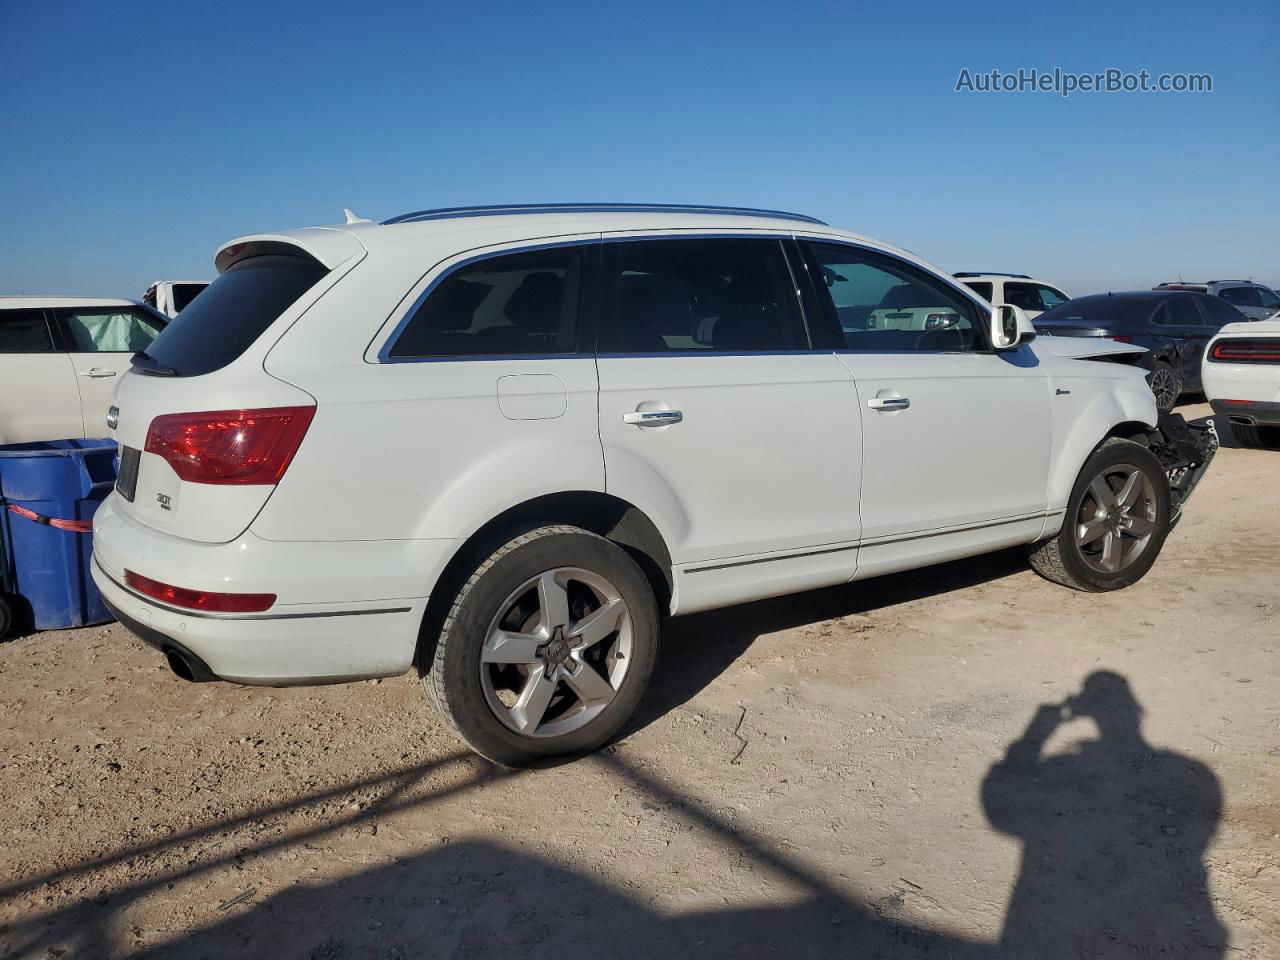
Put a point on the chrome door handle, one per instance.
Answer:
(889, 403)
(653, 418)
(97, 372)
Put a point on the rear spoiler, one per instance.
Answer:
(325, 245)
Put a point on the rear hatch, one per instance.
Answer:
(205, 432)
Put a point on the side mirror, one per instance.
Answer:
(1010, 327)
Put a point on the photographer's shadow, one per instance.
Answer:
(1113, 833)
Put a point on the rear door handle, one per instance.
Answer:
(97, 372)
(889, 403)
(653, 418)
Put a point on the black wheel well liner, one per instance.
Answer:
(614, 519)
(1134, 430)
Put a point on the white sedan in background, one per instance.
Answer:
(60, 360)
(1241, 375)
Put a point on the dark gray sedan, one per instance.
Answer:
(1174, 326)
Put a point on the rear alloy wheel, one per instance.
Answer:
(1116, 521)
(548, 647)
(1165, 386)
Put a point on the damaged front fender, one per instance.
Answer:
(1185, 450)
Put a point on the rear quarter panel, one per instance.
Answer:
(418, 450)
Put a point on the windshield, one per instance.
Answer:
(232, 312)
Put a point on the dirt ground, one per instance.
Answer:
(854, 772)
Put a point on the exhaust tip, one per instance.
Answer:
(180, 666)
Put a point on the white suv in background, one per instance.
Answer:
(503, 444)
(1252, 299)
(1016, 289)
(60, 360)
(171, 297)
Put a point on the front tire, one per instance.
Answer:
(547, 648)
(1116, 522)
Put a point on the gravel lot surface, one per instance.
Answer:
(862, 771)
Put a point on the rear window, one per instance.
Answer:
(232, 312)
(1094, 310)
(981, 288)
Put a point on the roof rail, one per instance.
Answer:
(991, 273)
(513, 209)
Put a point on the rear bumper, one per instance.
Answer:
(298, 647)
(345, 611)
(1251, 412)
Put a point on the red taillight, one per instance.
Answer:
(199, 599)
(1121, 338)
(230, 446)
(1246, 351)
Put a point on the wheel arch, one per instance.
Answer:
(611, 517)
(1126, 409)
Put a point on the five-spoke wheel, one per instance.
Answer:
(547, 646)
(557, 652)
(1116, 520)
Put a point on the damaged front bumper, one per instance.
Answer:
(1185, 450)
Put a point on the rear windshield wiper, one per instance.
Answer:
(143, 362)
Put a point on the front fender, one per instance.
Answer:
(1096, 407)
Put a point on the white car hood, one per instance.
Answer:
(1082, 348)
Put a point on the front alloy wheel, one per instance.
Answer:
(1116, 521)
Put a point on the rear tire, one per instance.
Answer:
(547, 648)
(1165, 385)
(1116, 521)
(6, 617)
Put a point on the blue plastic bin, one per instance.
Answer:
(49, 567)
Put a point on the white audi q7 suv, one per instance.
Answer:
(503, 444)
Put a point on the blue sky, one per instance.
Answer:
(136, 137)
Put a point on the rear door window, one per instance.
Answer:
(25, 331)
(700, 295)
(518, 304)
(1180, 311)
(232, 312)
(108, 329)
